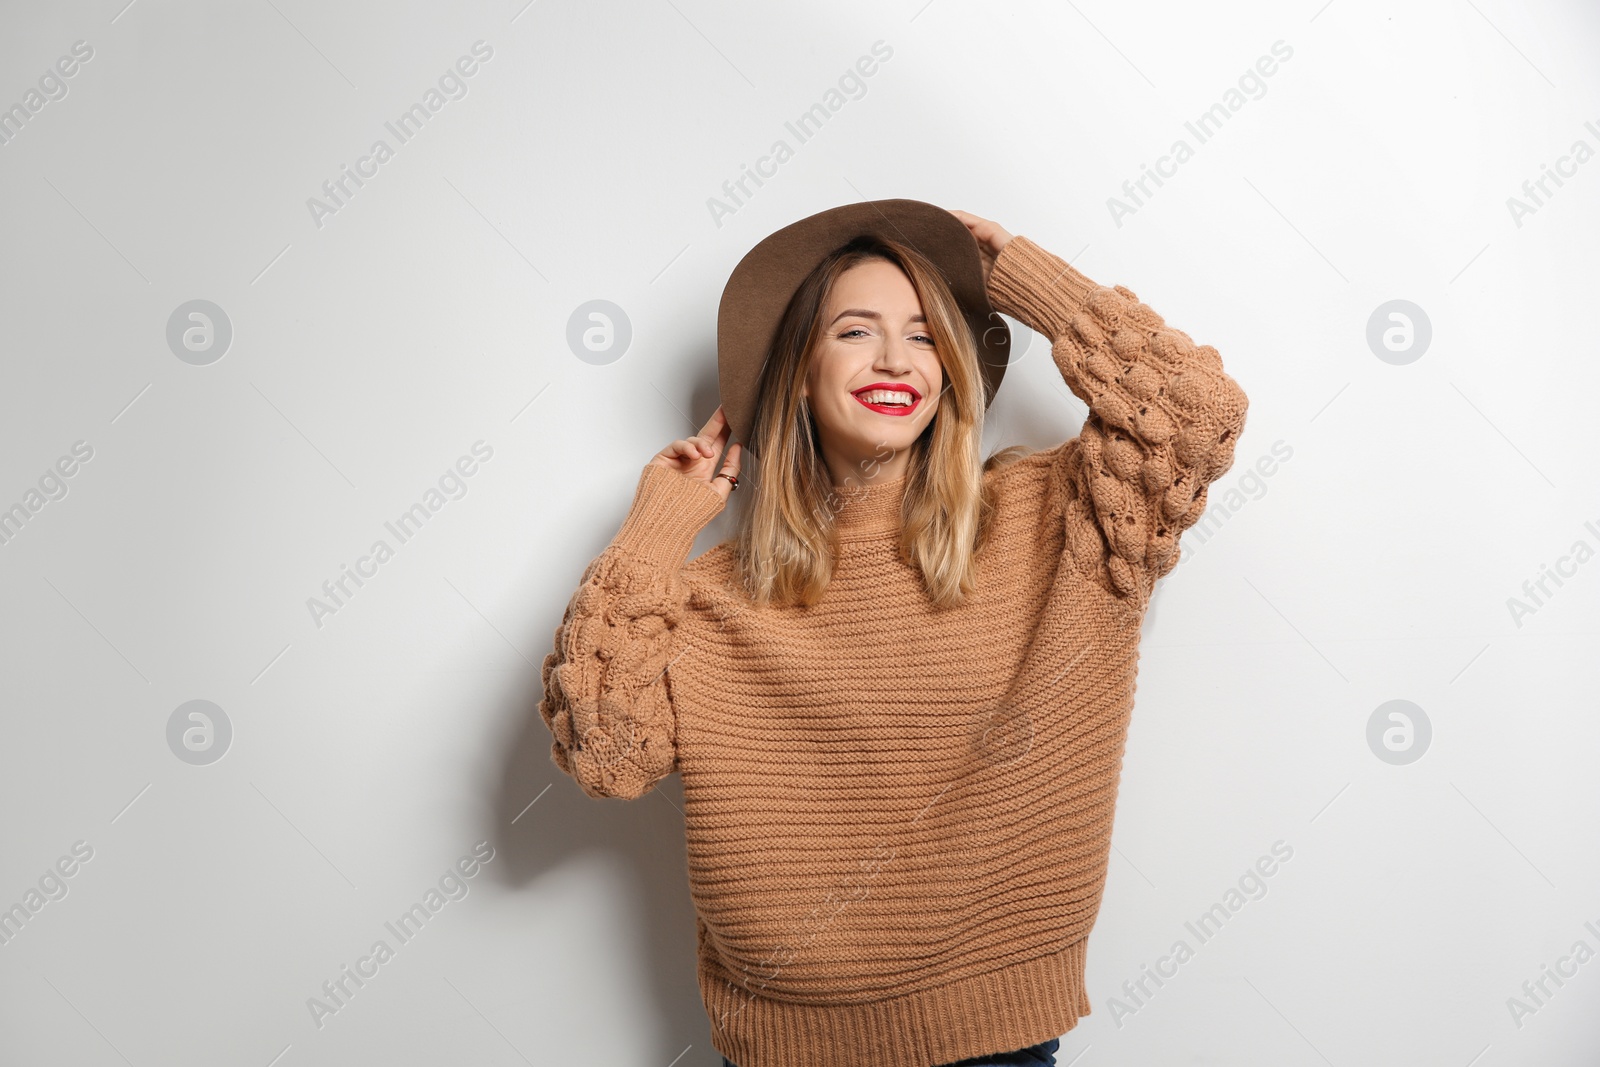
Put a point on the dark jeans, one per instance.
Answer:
(1032, 1056)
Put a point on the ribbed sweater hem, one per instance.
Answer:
(1013, 1007)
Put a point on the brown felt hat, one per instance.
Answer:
(761, 286)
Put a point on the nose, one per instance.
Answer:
(894, 357)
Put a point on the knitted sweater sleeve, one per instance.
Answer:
(1163, 416)
(607, 682)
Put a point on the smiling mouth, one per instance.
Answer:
(894, 400)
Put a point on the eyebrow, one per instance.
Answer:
(869, 314)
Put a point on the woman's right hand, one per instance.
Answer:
(697, 456)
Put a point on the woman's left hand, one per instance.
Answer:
(992, 237)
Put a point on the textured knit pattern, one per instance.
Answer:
(899, 817)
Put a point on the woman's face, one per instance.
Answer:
(873, 336)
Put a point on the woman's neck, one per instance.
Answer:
(848, 471)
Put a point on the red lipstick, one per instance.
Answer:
(913, 398)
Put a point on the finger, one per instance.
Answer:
(730, 466)
(717, 421)
(713, 435)
(719, 440)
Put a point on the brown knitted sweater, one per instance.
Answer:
(899, 818)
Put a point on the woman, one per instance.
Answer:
(898, 698)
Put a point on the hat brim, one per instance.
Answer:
(765, 280)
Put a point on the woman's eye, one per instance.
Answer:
(857, 329)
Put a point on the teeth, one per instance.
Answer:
(886, 396)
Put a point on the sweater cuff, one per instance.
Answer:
(669, 510)
(1036, 287)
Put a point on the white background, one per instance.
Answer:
(430, 312)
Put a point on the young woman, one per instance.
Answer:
(898, 697)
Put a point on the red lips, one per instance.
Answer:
(889, 409)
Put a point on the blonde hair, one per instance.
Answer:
(786, 542)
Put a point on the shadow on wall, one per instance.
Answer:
(646, 835)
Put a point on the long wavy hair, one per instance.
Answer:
(786, 544)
